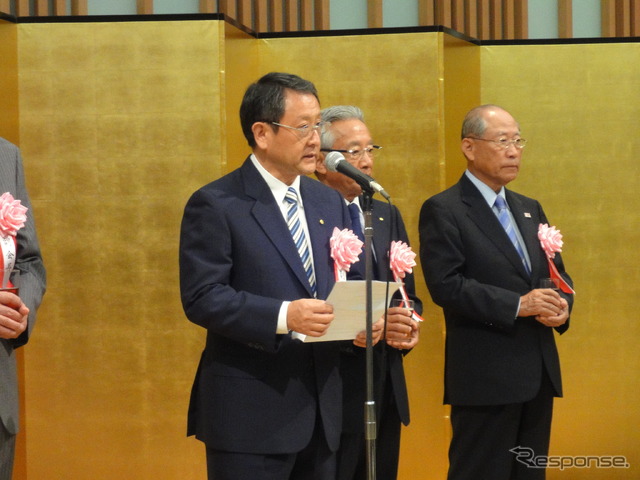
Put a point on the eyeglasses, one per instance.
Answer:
(356, 153)
(305, 130)
(519, 143)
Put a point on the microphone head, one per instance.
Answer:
(332, 159)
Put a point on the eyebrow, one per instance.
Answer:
(357, 144)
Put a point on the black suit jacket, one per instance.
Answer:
(255, 391)
(388, 226)
(475, 274)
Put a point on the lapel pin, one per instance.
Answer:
(381, 219)
(321, 222)
(527, 215)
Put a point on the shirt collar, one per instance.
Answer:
(486, 191)
(278, 188)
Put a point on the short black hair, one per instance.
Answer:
(264, 100)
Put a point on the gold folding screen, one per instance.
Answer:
(120, 122)
(9, 80)
(578, 107)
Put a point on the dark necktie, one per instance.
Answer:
(507, 224)
(354, 212)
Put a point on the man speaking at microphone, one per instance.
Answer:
(346, 132)
(255, 268)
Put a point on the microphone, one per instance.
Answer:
(336, 162)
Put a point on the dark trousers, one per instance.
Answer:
(7, 451)
(352, 461)
(483, 437)
(314, 462)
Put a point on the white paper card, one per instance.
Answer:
(349, 300)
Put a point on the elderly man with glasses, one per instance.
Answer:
(346, 132)
(483, 264)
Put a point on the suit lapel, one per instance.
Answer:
(482, 215)
(268, 215)
(381, 220)
(527, 222)
(320, 230)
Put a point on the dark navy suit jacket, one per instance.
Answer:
(388, 367)
(475, 274)
(255, 391)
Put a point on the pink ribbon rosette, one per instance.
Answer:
(346, 247)
(402, 261)
(12, 218)
(551, 242)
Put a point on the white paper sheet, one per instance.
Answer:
(350, 308)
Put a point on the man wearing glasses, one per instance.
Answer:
(346, 132)
(255, 268)
(482, 263)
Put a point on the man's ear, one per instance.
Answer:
(260, 134)
(467, 148)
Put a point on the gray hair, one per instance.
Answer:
(335, 114)
(474, 124)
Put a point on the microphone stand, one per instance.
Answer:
(370, 404)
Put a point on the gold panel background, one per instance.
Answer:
(121, 122)
(240, 70)
(9, 81)
(579, 107)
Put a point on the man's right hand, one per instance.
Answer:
(309, 316)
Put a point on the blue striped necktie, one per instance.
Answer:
(507, 224)
(299, 237)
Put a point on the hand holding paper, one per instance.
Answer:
(349, 307)
(309, 316)
(377, 329)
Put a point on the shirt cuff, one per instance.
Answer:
(282, 319)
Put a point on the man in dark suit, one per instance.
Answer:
(266, 405)
(17, 312)
(346, 132)
(502, 368)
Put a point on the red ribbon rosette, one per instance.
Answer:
(12, 218)
(551, 242)
(346, 248)
(401, 262)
